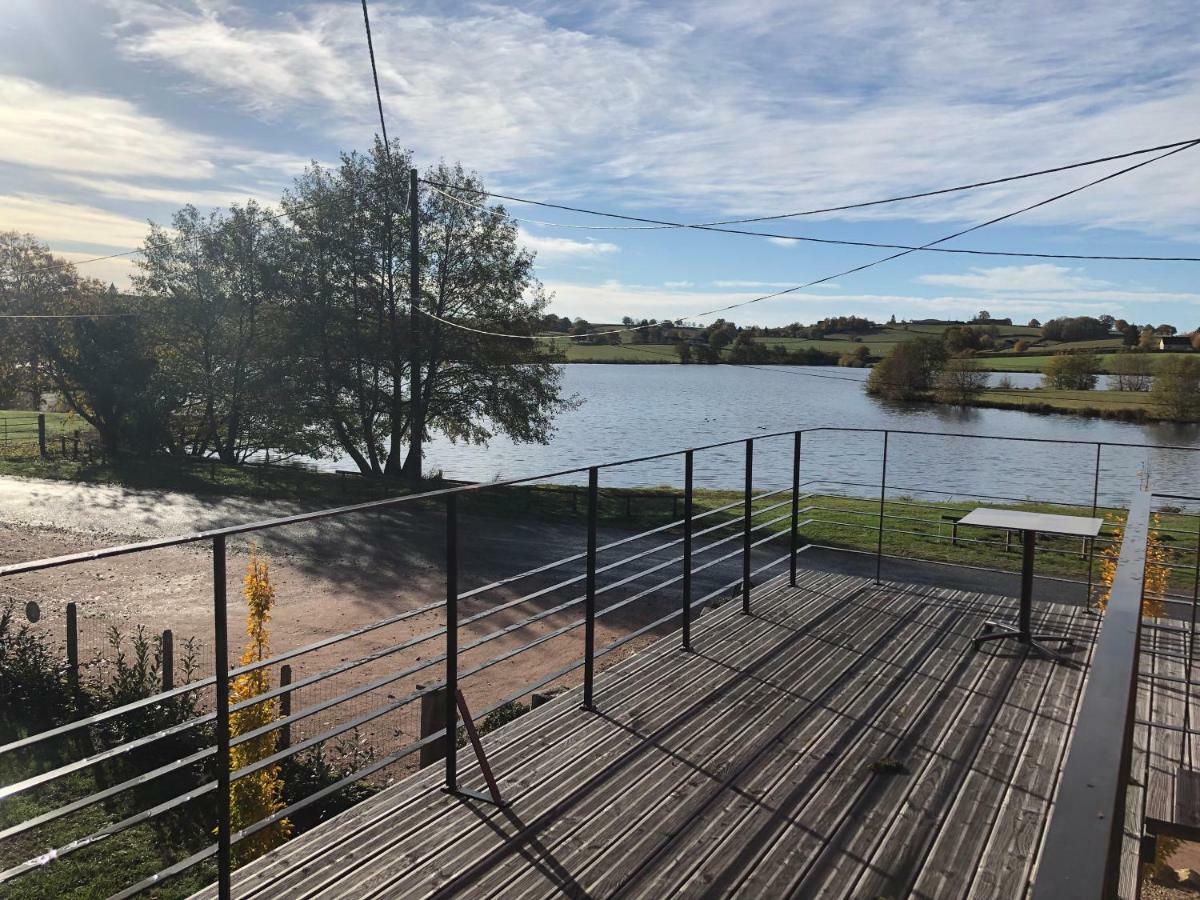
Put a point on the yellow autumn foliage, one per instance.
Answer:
(1157, 573)
(256, 796)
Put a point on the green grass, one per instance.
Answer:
(879, 342)
(623, 353)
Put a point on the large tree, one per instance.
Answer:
(349, 313)
(32, 282)
(216, 311)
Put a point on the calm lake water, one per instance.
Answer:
(632, 410)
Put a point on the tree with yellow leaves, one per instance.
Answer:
(260, 794)
(1157, 572)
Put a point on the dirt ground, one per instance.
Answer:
(330, 577)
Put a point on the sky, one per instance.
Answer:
(116, 112)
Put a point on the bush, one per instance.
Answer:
(136, 676)
(36, 691)
(1132, 371)
(909, 370)
(1071, 372)
(1176, 391)
(960, 381)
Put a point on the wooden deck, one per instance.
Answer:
(844, 740)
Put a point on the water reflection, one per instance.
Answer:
(636, 410)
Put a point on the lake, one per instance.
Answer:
(631, 410)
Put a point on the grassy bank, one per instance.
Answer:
(1125, 406)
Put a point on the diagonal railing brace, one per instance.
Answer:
(473, 734)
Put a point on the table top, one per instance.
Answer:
(1046, 523)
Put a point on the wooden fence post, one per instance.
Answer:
(285, 706)
(72, 646)
(168, 659)
(42, 435)
(433, 720)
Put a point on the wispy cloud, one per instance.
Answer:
(1040, 278)
(60, 222)
(59, 131)
(565, 248)
(662, 111)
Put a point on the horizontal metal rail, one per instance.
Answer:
(752, 521)
(386, 503)
(1082, 850)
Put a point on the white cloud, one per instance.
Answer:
(781, 242)
(734, 283)
(677, 284)
(1041, 277)
(88, 133)
(556, 248)
(56, 222)
(175, 195)
(658, 103)
(613, 299)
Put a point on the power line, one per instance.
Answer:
(826, 209)
(73, 316)
(374, 73)
(855, 269)
(835, 241)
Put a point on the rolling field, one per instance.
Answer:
(879, 343)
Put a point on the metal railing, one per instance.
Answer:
(751, 527)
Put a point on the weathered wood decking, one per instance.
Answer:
(844, 740)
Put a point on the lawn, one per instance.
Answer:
(879, 342)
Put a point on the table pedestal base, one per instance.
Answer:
(999, 631)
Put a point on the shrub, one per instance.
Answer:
(1157, 576)
(1176, 391)
(137, 675)
(36, 689)
(260, 794)
(1132, 372)
(960, 382)
(909, 370)
(1072, 372)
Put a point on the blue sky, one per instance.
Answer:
(117, 112)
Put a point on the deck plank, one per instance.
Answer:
(744, 768)
(815, 719)
(889, 849)
(517, 753)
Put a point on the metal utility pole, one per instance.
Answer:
(416, 412)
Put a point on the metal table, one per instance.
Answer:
(1030, 525)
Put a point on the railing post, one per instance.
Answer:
(882, 497)
(221, 654)
(589, 600)
(73, 647)
(688, 468)
(1091, 543)
(795, 507)
(168, 659)
(42, 435)
(285, 706)
(451, 715)
(1191, 652)
(746, 517)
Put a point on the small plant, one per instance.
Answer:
(497, 718)
(1157, 576)
(320, 767)
(36, 688)
(259, 794)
